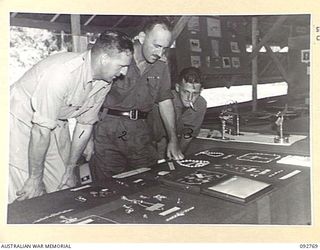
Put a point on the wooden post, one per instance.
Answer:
(254, 64)
(77, 46)
(79, 43)
(76, 32)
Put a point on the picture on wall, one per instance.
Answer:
(213, 27)
(193, 24)
(305, 56)
(235, 62)
(195, 61)
(226, 62)
(234, 47)
(216, 62)
(195, 45)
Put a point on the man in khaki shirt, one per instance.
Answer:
(63, 86)
(190, 108)
(122, 139)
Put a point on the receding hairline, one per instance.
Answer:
(155, 25)
(159, 32)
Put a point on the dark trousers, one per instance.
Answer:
(121, 144)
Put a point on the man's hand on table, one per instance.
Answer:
(33, 187)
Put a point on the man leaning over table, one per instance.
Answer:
(123, 138)
(190, 108)
(62, 86)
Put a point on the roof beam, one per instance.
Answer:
(118, 22)
(179, 26)
(39, 24)
(89, 20)
(54, 18)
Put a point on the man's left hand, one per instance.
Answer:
(68, 179)
(174, 152)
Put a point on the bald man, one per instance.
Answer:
(123, 138)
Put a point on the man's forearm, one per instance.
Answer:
(168, 116)
(38, 147)
(80, 139)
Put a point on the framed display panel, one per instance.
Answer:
(212, 39)
(237, 189)
(221, 185)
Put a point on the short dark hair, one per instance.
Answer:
(110, 42)
(150, 23)
(190, 75)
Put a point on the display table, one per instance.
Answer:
(149, 198)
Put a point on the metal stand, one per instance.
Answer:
(237, 125)
(281, 138)
(223, 129)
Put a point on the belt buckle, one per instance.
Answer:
(133, 114)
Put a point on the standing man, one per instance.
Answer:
(63, 86)
(123, 138)
(189, 107)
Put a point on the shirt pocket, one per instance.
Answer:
(77, 106)
(153, 83)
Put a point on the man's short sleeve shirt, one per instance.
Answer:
(140, 91)
(59, 87)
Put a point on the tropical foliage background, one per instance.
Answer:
(28, 46)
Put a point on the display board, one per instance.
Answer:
(215, 44)
(299, 69)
